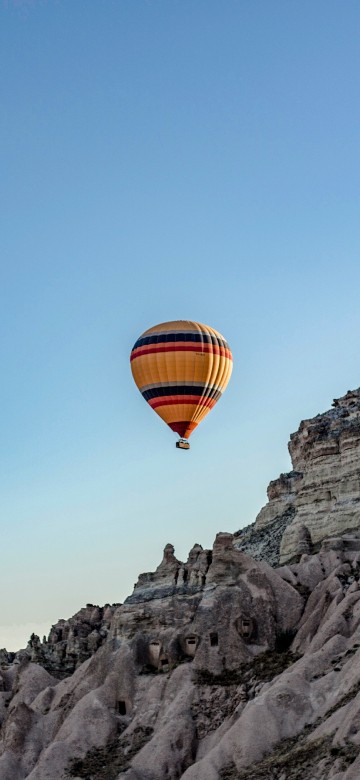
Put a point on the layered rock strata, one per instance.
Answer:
(323, 490)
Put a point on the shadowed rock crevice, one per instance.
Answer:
(297, 760)
(106, 762)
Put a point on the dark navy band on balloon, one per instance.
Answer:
(165, 338)
(206, 392)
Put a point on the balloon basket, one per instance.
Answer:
(182, 444)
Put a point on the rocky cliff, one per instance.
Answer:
(219, 668)
(320, 496)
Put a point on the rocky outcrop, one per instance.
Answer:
(71, 642)
(6, 658)
(171, 617)
(281, 494)
(191, 659)
(323, 490)
(263, 542)
(172, 575)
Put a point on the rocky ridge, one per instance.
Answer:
(71, 642)
(174, 679)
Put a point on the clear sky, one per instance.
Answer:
(164, 159)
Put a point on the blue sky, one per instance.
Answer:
(164, 159)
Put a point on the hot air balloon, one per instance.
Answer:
(181, 368)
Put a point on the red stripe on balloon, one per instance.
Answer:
(181, 399)
(208, 348)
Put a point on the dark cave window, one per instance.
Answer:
(122, 707)
(214, 640)
(164, 661)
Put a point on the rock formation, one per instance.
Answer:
(70, 642)
(191, 659)
(321, 496)
(219, 668)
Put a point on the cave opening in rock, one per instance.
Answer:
(122, 707)
(214, 639)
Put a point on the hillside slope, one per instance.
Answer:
(220, 668)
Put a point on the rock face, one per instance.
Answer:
(219, 668)
(190, 660)
(263, 542)
(323, 490)
(70, 642)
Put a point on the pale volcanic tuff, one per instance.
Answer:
(220, 668)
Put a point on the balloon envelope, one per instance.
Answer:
(181, 368)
